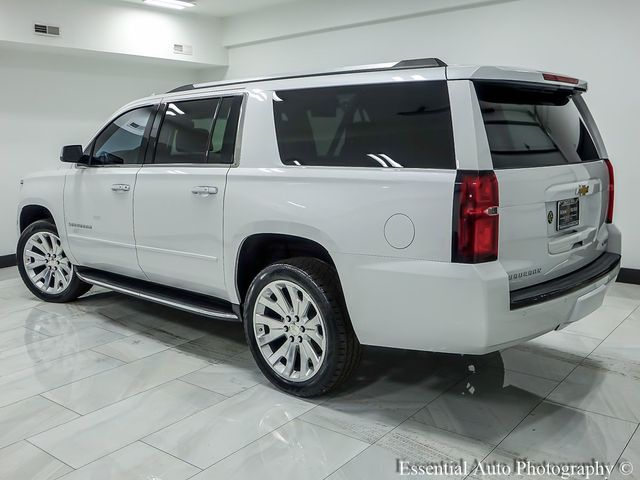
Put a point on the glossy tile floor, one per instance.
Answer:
(113, 388)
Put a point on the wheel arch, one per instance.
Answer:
(32, 213)
(261, 249)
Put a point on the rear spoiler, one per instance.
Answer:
(514, 74)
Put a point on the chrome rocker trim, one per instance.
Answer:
(163, 300)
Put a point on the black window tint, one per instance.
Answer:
(121, 142)
(403, 125)
(223, 139)
(185, 131)
(531, 126)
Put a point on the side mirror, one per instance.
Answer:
(73, 154)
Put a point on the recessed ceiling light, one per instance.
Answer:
(175, 4)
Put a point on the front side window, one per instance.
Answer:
(400, 125)
(533, 126)
(120, 143)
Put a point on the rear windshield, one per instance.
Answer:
(532, 126)
(399, 125)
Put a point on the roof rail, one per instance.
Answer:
(402, 65)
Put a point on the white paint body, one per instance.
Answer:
(387, 230)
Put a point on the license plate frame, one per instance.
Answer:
(567, 213)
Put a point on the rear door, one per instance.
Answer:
(179, 195)
(553, 180)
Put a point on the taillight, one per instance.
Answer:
(475, 217)
(607, 162)
(554, 77)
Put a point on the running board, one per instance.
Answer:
(172, 297)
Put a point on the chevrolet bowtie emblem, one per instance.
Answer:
(582, 190)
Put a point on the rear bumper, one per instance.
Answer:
(461, 308)
(558, 287)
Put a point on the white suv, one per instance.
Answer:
(412, 205)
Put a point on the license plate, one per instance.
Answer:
(568, 213)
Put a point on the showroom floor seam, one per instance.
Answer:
(45, 452)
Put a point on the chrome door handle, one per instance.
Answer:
(120, 187)
(204, 190)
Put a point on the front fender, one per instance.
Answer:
(46, 190)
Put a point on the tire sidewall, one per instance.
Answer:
(284, 271)
(69, 292)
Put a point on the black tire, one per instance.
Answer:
(74, 289)
(342, 353)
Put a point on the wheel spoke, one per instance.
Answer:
(56, 281)
(278, 354)
(57, 247)
(269, 337)
(66, 269)
(282, 302)
(315, 336)
(303, 308)
(35, 249)
(272, 323)
(312, 323)
(291, 359)
(47, 278)
(39, 276)
(310, 353)
(35, 264)
(37, 256)
(304, 359)
(44, 243)
(61, 282)
(293, 295)
(267, 302)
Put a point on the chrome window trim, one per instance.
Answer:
(190, 165)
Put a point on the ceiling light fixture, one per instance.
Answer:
(175, 4)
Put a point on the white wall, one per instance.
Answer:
(286, 20)
(591, 39)
(49, 100)
(114, 27)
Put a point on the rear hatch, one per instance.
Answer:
(553, 181)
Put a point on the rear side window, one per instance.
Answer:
(532, 126)
(400, 125)
(185, 131)
(223, 139)
(199, 131)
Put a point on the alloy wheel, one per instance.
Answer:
(289, 330)
(46, 264)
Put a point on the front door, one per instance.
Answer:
(179, 195)
(98, 199)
